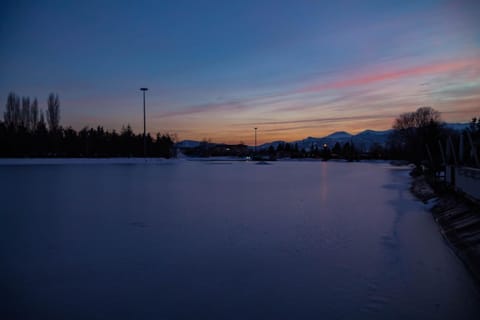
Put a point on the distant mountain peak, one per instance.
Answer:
(339, 134)
(373, 132)
(368, 131)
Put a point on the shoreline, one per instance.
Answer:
(458, 219)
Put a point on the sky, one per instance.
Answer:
(217, 69)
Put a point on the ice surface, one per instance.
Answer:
(193, 240)
(79, 161)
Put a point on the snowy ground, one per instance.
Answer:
(222, 240)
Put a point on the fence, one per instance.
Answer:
(464, 179)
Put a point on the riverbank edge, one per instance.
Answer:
(458, 218)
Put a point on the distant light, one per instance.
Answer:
(325, 145)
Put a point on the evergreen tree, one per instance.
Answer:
(337, 149)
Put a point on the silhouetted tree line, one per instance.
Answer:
(423, 139)
(208, 149)
(347, 151)
(291, 150)
(27, 131)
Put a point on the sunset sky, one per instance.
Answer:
(217, 69)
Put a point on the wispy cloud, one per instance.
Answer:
(346, 100)
(204, 108)
(322, 120)
(294, 100)
(380, 76)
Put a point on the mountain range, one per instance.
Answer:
(363, 140)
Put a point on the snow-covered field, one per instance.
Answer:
(222, 240)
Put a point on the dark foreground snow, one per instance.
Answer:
(223, 240)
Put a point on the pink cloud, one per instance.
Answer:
(379, 76)
(208, 107)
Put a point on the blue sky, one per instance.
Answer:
(216, 69)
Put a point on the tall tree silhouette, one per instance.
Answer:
(53, 112)
(11, 116)
(34, 115)
(25, 115)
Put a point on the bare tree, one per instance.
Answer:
(8, 115)
(41, 123)
(17, 116)
(413, 131)
(53, 112)
(423, 117)
(34, 114)
(12, 115)
(25, 115)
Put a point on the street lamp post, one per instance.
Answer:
(255, 149)
(144, 125)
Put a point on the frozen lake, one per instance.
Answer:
(223, 240)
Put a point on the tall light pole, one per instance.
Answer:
(144, 125)
(255, 149)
